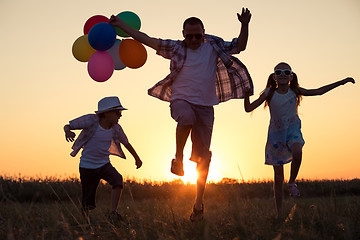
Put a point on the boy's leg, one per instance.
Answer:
(115, 197)
(278, 188)
(114, 178)
(89, 182)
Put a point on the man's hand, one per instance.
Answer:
(245, 16)
(115, 21)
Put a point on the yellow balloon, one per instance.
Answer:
(81, 49)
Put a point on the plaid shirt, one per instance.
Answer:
(232, 77)
(89, 123)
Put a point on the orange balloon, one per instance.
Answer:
(132, 53)
(81, 49)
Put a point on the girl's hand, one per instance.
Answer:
(245, 16)
(138, 163)
(247, 92)
(349, 79)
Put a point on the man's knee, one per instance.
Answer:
(203, 164)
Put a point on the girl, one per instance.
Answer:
(285, 141)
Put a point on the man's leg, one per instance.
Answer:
(202, 169)
(182, 134)
(201, 140)
(183, 114)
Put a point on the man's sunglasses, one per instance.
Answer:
(190, 36)
(278, 72)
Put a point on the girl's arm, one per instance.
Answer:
(251, 106)
(324, 89)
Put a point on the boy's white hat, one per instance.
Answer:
(108, 104)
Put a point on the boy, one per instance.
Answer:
(101, 136)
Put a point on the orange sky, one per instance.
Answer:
(44, 86)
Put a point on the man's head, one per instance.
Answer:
(193, 32)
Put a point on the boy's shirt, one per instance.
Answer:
(89, 124)
(232, 76)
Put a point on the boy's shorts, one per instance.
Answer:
(201, 118)
(90, 179)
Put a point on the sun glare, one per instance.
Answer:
(190, 173)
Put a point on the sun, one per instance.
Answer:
(190, 173)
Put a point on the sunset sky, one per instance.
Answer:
(43, 86)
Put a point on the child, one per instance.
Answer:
(285, 141)
(101, 136)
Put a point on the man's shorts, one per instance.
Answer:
(90, 179)
(201, 118)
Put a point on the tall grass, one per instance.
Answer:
(50, 209)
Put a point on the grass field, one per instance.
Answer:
(49, 209)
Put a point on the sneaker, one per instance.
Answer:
(115, 218)
(177, 168)
(293, 190)
(197, 215)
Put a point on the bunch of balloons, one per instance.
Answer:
(103, 52)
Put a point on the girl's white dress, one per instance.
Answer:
(284, 128)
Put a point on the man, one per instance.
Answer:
(203, 74)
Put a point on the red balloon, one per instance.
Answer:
(94, 20)
(100, 66)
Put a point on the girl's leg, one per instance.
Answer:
(296, 150)
(278, 188)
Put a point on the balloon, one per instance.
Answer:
(81, 49)
(100, 66)
(114, 52)
(132, 53)
(102, 36)
(94, 20)
(130, 19)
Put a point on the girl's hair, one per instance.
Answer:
(294, 86)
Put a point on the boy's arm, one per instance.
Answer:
(244, 18)
(251, 106)
(324, 89)
(136, 34)
(69, 135)
(138, 161)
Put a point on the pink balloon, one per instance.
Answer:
(100, 66)
(94, 20)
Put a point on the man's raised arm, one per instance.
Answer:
(136, 34)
